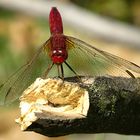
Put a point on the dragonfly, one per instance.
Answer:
(67, 54)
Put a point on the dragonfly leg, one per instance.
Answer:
(60, 71)
(73, 71)
(48, 69)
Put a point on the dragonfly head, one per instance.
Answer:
(55, 20)
(59, 56)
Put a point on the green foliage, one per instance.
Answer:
(123, 10)
(5, 14)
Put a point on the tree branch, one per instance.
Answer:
(114, 108)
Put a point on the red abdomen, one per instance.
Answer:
(55, 20)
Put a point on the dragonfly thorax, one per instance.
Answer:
(58, 49)
(59, 55)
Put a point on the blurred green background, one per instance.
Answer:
(123, 10)
(21, 35)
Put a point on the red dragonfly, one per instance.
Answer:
(69, 54)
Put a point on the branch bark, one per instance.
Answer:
(114, 108)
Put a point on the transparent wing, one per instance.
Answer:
(89, 60)
(11, 89)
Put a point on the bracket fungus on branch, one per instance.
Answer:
(53, 107)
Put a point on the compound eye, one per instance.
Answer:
(54, 52)
(59, 51)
